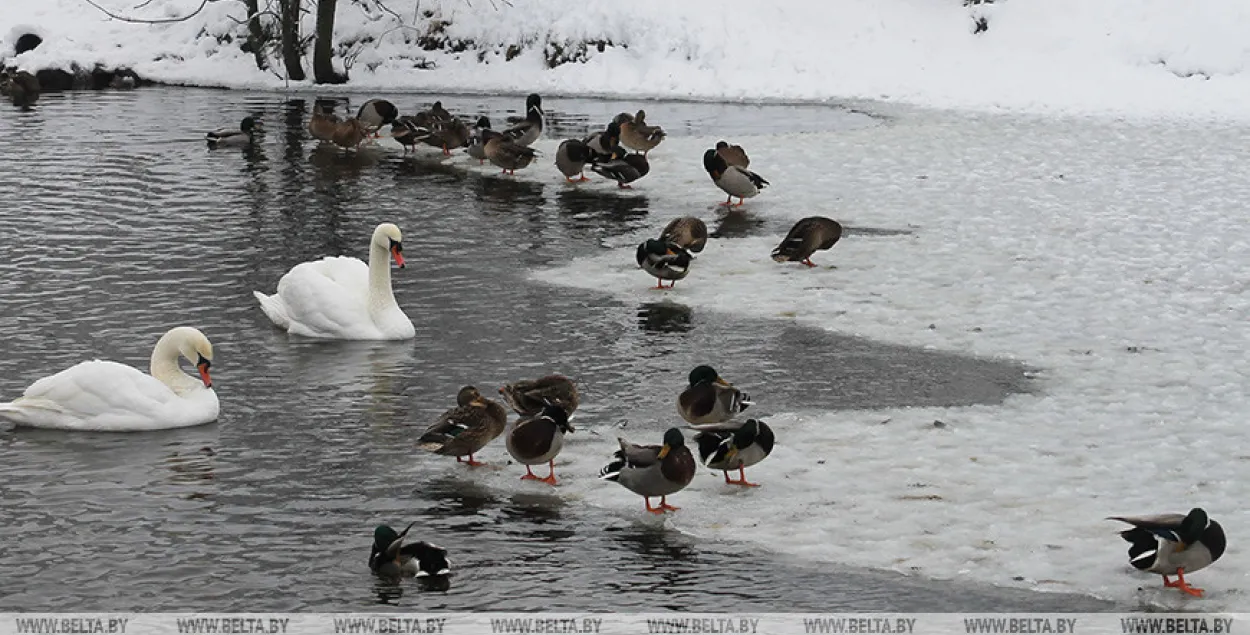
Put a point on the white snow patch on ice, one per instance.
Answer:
(1124, 57)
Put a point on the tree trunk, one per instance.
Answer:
(255, 33)
(323, 67)
(290, 40)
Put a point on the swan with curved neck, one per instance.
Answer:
(342, 298)
(108, 396)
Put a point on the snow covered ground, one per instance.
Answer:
(1125, 57)
(1110, 255)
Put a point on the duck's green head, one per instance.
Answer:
(672, 439)
(250, 124)
(705, 374)
(383, 536)
(1192, 527)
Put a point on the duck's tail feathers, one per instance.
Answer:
(758, 180)
(1144, 547)
(431, 559)
(612, 471)
(274, 309)
(742, 402)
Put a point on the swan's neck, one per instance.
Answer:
(165, 368)
(380, 294)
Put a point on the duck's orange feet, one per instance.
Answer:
(665, 506)
(659, 284)
(808, 262)
(623, 186)
(582, 177)
(529, 475)
(653, 510)
(470, 462)
(729, 202)
(742, 479)
(446, 152)
(1182, 584)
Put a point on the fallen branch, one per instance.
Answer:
(203, 3)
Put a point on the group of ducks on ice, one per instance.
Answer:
(344, 298)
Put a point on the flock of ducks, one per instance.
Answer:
(345, 298)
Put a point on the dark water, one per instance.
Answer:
(120, 224)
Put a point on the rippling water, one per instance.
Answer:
(120, 224)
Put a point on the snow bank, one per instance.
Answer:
(1126, 57)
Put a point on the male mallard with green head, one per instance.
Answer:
(1174, 544)
(809, 235)
(623, 168)
(467, 428)
(653, 470)
(731, 179)
(734, 446)
(664, 260)
(391, 558)
(538, 439)
(241, 136)
(529, 396)
(710, 399)
(376, 113)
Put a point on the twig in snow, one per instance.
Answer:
(203, 3)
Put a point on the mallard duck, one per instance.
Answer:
(447, 134)
(604, 144)
(322, 124)
(653, 470)
(350, 133)
(1174, 544)
(242, 136)
(409, 132)
(687, 232)
(637, 135)
(730, 446)
(467, 428)
(438, 113)
(571, 159)
(528, 131)
(733, 155)
(664, 260)
(528, 396)
(390, 557)
(732, 180)
(376, 113)
(21, 88)
(623, 168)
(477, 143)
(710, 399)
(508, 155)
(538, 439)
(809, 235)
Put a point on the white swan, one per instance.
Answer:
(339, 298)
(113, 397)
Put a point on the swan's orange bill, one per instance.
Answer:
(208, 381)
(399, 258)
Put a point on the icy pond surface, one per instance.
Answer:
(1093, 268)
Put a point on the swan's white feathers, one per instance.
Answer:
(108, 396)
(327, 297)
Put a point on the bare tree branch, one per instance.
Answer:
(123, 18)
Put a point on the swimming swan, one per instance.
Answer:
(108, 396)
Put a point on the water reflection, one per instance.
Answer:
(665, 317)
(736, 224)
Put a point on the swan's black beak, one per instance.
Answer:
(202, 365)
